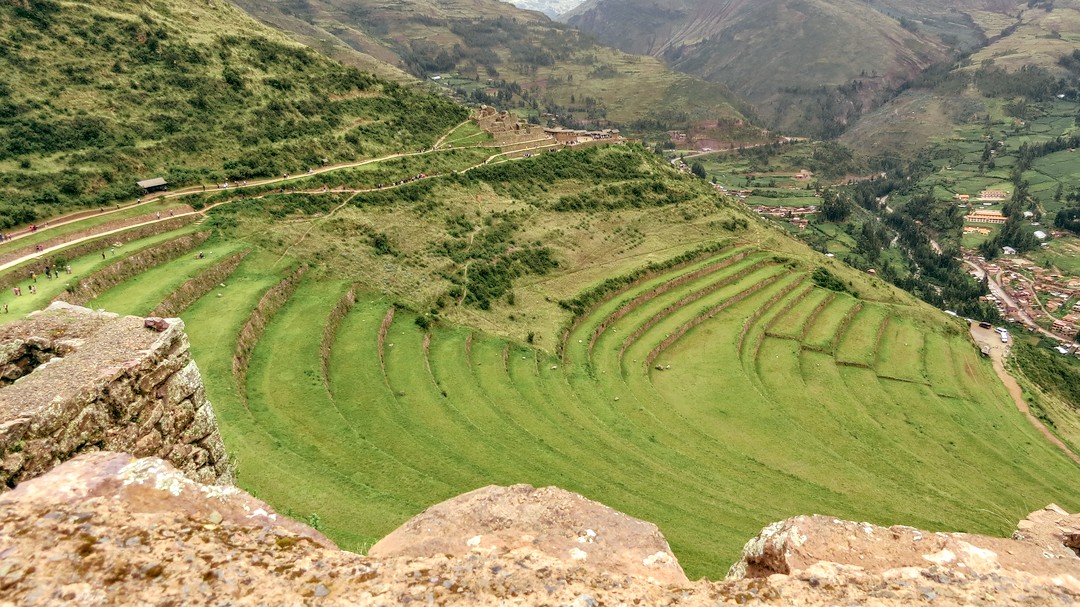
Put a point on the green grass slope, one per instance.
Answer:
(703, 381)
(98, 95)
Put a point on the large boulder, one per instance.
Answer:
(74, 380)
(798, 543)
(563, 525)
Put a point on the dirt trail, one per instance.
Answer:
(189, 191)
(447, 134)
(1018, 398)
(997, 357)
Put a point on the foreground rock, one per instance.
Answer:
(1039, 546)
(75, 380)
(108, 529)
(563, 525)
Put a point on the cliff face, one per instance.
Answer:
(108, 528)
(75, 380)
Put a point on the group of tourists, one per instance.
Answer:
(50, 273)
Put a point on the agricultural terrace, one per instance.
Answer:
(711, 393)
(588, 319)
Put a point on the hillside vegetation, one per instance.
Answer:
(385, 334)
(812, 66)
(492, 52)
(1025, 59)
(96, 96)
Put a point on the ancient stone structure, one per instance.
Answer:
(75, 380)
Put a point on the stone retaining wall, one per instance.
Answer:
(77, 380)
(108, 277)
(22, 271)
(268, 305)
(192, 290)
(333, 322)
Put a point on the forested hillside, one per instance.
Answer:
(96, 96)
(811, 66)
(1028, 58)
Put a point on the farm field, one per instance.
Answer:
(681, 397)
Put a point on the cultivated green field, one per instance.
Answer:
(710, 398)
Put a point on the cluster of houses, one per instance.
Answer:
(985, 196)
(995, 217)
(984, 215)
(1054, 291)
(796, 216)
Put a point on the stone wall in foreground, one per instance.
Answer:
(74, 380)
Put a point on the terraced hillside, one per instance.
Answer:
(709, 394)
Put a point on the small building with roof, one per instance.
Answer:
(153, 185)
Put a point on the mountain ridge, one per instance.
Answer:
(492, 52)
(787, 57)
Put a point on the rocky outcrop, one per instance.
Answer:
(109, 529)
(795, 544)
(77, 380)
(559, 524)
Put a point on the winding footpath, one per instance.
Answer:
(79, 216)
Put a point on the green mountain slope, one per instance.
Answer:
(1022, 62)
(788, 56)
(493, 52)
(96, 96)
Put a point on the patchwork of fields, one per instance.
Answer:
(711, 398)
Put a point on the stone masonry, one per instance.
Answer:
(73, 380)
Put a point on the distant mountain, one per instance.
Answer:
(811, 65)
(492, 52)
(1028, 57)
(551, 8)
